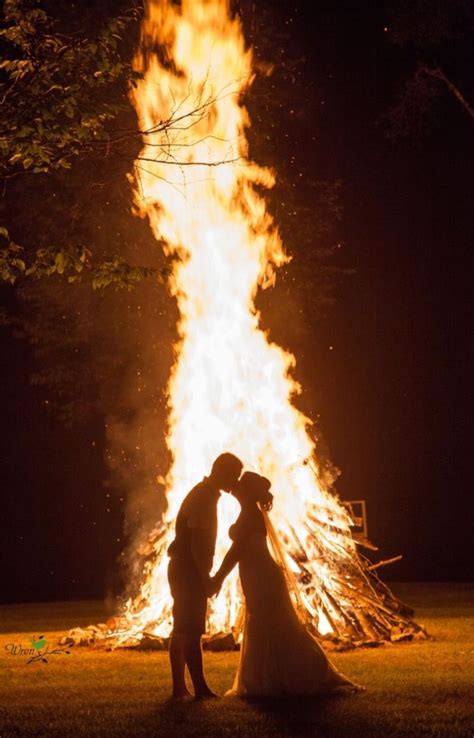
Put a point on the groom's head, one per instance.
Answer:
(226, 471)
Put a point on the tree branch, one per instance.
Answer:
(438, 73)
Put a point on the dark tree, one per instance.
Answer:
(436, 39)
(64, 95)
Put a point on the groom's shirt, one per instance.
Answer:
(197, 516)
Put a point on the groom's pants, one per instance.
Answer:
(189, 597)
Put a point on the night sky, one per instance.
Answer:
(385, 368)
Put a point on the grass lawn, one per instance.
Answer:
(420, 689)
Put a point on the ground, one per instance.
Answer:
(420, 689)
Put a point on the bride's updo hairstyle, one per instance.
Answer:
(259, 487)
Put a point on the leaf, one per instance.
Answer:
(27, 162)
(4, 232)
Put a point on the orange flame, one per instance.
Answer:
(231, 388)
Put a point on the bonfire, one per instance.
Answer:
(231, 388)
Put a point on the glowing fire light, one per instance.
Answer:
(231, 388)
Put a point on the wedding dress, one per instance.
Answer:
(278, 655)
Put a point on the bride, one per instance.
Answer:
(278, 655)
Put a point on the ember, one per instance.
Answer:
(231, 388)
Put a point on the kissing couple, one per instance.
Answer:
(278, 655)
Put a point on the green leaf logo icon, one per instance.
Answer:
(39, 642)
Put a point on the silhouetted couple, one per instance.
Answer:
(278, 655)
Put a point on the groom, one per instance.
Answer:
(191, 554)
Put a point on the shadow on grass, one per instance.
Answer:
(318, 717)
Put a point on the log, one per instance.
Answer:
(385, 562)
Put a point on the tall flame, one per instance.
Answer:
(231, 388)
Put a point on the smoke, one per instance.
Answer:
(102, 357)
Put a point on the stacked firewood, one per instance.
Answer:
(333, 580)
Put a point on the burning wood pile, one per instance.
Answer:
(348, 608)
(231, 388)
(351, 608)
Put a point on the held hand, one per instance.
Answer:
(209, 586)
(214, 585)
